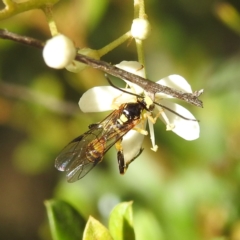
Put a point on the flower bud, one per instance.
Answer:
(59, 52)
(140, 28)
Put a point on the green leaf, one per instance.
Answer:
(121, 222)
(147, 226)
(96, 231)
(65, 222)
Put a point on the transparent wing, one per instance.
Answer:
(75, 160)
(73, 157)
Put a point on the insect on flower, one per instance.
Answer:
(84, 152)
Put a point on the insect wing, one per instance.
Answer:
(73, 157)
(87, 150)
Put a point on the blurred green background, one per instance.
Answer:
(187, 190)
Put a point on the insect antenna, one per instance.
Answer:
(120, 89)
(170, 110)
(139, 96)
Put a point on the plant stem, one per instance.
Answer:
(139, 12)
(52, 25)
(114, 44)
(13, 8)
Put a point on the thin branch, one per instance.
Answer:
(32, 42)
(146, 84)
(49, 102)
(13, 7)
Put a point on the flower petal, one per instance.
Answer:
(187, 129)
(99, 99)
(132, 144)
(176, 82)
(132, 67)
(135, 68)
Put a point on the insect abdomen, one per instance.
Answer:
(96, 150)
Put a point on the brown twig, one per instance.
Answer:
(4, 34)
(146, 84)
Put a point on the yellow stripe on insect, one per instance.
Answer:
(148, 102)
(123, 118)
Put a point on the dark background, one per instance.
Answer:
(187, 190)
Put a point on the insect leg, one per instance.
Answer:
(152, 118)
(120, 157)
(123, 166)
(141, 130)
(93, 125)
(131, 160)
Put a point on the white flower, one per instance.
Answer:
(106, 98)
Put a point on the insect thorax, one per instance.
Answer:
(130, 112)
